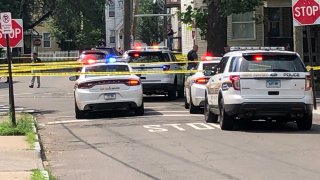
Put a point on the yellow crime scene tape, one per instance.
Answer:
(99, 73)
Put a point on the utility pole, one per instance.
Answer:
(127, 22)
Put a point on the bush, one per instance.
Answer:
(24, 126)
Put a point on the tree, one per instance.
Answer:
(149, 29)
(213, 21)
(82, 22)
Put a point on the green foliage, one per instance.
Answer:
(195, 16)
(149, 29)
(199, 16)
(37, 175)
(81, 21)
(24, 126)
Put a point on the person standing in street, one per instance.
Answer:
(35, 59)
(192, 56)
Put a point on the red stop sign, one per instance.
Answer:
(306, 12)
(15, 37)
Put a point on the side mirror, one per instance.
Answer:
(73, 78)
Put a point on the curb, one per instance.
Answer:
(37, 147)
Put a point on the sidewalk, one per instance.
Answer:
(17, 159)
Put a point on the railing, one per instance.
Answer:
(58, 55)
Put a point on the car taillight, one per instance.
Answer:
(235, 80)
(166, 67)
(132, 82)
(201, 80)
(308, 83)
(86, 85)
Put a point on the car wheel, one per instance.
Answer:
(186, 104)
(79, 113)
(226, 121)
(139, 111)
(192, 108)
(172, 94)
(305, 123)
(180, 93)
(208, 115)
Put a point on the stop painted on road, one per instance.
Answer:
(180, 127)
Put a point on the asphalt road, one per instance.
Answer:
(166, 143)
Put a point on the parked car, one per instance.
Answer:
(94, 93)
(155, 58)
(260, 83)
(195, 85)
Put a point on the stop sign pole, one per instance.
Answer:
(306, 13)
(6, 27)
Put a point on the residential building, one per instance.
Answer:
(272, 25)
(48, 41)
(191, 35)
(114, 23)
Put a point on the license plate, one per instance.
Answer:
(109, 96)
(273, 83)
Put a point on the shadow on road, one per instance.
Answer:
(274, 127)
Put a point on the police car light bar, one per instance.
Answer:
(156, 48)
(256, 48)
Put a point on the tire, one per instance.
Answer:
(305, 123)
(139, 111)
(79, 113)
(186, 104)
(226, 121)
(180, 93)
(209, 117)
(172, 94)
(192, 108)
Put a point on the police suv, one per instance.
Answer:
(157, 58)
(259, 83)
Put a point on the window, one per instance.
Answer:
(112, 9)
(46, 40)
(272, 63)
(112, 36)
(243, 26)
(147, 57)
(234, 64)
(222, 65)
(275, 22)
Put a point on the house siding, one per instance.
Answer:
(114, 23)
(259, 32)
(44, 28)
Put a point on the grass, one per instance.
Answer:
(24, 128)
(37, 175)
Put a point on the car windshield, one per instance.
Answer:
(143, 57)
(209, 66)
(272, 63)
(107, 68)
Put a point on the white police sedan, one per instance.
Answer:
(194, 86)
(94, 92)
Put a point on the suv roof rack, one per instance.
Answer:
(235, 48)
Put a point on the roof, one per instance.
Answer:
(240, 53)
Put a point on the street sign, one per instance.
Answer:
(306, 12)
(16, 35)
(37, 36)
(37, 42)
(5, 21)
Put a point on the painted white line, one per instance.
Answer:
(148, 111)
(215, 125)
(70, 121)
(315, 112)
(178, 115)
